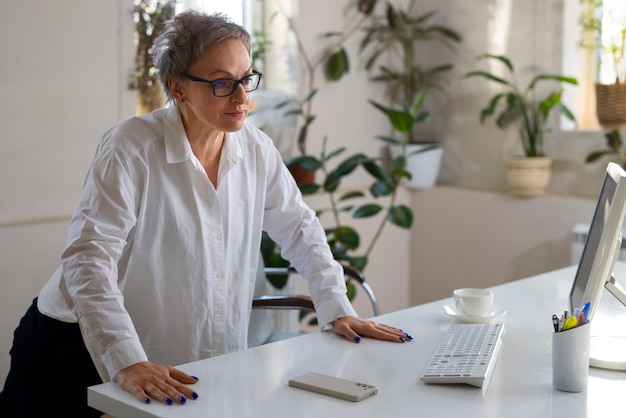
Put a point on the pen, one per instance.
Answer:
(555, 322)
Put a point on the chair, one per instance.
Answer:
(261, 331)
(304, 301)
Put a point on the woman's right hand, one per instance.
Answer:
(147, 381)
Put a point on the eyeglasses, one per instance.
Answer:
(223, 87)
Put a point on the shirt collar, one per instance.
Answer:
(177, 148)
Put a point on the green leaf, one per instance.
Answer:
(381, 188)
(488, 76)
(389, 140)
(367, 211)
(348, 236)
(310, 96)
(308, 188)
(597, 155)
(334, 153)
(401, 216)
(374, 169)
(351, 195)
(559, 78)
(500, 58)
(565, 111)
(337, 65)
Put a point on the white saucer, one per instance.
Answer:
(497, 312)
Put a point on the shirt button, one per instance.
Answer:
(219, 274)
(218, 237)
(220, 311)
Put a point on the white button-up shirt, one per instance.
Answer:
(161, 265)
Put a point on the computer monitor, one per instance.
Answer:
(595, 269)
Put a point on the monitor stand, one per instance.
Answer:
(609, 352)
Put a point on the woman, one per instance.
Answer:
(162, 250)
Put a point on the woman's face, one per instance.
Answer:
(202, 111)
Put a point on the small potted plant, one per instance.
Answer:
(397, 35)
(528, 175)
(150, 17)
(614, 148)
(603, 30)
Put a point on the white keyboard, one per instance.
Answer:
(466, 353)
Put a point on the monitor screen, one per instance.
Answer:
(603, 241)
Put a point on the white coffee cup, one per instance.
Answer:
(473, 301)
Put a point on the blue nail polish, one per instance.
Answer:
(169, 401)
(195, 377)
(357, 339)
(146, 400)
(402, 340)
(194, 395)
(408, 336)
(182, 399)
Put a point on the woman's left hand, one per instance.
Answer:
(353, 328)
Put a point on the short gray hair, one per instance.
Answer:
(185, 38)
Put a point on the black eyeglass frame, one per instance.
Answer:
(237, 82)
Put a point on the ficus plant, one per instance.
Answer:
(387, 174)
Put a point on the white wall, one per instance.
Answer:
(63, 82)
(479, 239)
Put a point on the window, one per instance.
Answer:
(587, 59)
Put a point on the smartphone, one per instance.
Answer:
(334, 386)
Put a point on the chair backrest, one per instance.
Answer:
(304, 302)
(261, 329)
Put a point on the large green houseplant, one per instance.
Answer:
(396, 36)
(520, 107)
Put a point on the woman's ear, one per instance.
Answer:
(177, 89)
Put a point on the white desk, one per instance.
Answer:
(253, 383)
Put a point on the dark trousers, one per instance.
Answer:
(50, 370)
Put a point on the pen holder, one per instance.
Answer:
(570, 358)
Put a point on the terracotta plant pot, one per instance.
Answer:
(529, 176)
(300, 175)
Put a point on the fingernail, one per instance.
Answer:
(194, 395)
(408, 336)
(357, 339)
(182, 399)
(195, 377)
(402, 340)
(169, 401)
(146, 400)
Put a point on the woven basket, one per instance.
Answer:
(611, 105)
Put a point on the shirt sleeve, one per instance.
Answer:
(296, 229)
(99, 232)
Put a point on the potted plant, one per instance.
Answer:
(528, 175)
(396, 35)
(149, 16)
(614, 148)
(603, 30)
(334, 60)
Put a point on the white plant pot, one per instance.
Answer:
(423, 166)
